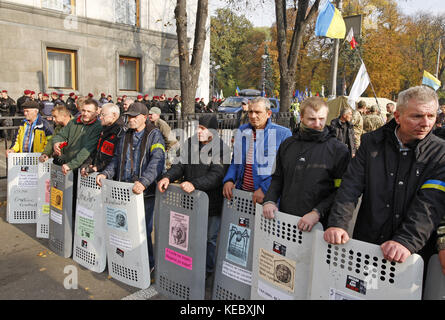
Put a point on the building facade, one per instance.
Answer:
(118, 47)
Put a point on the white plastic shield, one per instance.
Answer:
(435, 280)
(89, 228)
(43, 199)
(181, 242)
(358, 271)
(282, 257)
(125, 235)
(22, 187)
(233, 270)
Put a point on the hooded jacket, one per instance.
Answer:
(403, 189)
(309, 167)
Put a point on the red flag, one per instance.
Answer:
(350, 38)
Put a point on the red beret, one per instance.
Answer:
(146, 95)
(102, 94)
(46, 95)
(32, 92)
(54, 93)
(170, 99)
(61, 95)
(71, 94)
(196, 99)
(139, 96)
(90, 95)
(5, 91)
(27, 91)
(124, 96)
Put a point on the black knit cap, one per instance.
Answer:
(209, 121)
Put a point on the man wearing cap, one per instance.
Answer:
(147, 101)
(197, 106)
(46, 107)
(213, 105)
(7, 109)
(112, 130)
(139, 159)
(243, 115)
(103, 99)
(154, 115)
(205, 175)
(26, 96)
(80, 135)
(139, 98)
(71, 103)
(34, 132)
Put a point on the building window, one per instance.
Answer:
(61, 68)
(67, 6)
(129, 73)
(127, 12)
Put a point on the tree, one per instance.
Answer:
(189, 69)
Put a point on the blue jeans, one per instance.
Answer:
(214, 223)
(149, 204)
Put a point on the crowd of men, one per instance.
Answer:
(394, 163)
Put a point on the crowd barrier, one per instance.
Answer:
(43, 199)
(181, 243)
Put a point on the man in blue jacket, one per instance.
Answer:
(255, 147)
(142, 166)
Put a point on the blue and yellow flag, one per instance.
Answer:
(330, 23)
(430, 80)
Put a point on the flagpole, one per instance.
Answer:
(334, 68)
(370, 82)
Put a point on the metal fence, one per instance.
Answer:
(226, 122)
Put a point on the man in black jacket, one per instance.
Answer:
(309, 166)
(400, 170)
(112, 130)
(207, 176)
(344, 130)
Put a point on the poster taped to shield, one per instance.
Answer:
(179, 228)
(277, 270)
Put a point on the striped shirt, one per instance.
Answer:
(248, 174)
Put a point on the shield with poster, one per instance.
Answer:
(89, 227)
(181, 243)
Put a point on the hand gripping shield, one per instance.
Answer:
(357, 270)
(125, 235)
(282, 257)
(43, 199)
(181, 243)
(233, 272)
(89, 231)
(61, 212)
(22, 187)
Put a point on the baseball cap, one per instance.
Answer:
(245, 101)
(154, 110)
(136, 109)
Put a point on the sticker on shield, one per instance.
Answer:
(238, 244)
(277, 270)
(57, 198)
(179, 230)
(117, 218)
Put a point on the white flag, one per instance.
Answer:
(361, 82)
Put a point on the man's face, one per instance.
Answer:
(88, 113)
(258, 115)
(416, 120)
(204, 134)
(245, 106)
(135, 122)
(30, 114)
(442, 108)
(153, 117)
(107, 118)
(347, 116)
(126, 105)
(4, 95)
(315, 119)
(59, 119)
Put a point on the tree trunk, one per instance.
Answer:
(189, 69)
(288, 55)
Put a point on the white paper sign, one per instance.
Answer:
(119, 242)
(237, 273)
(270, 293)
(56, 217)
(84, 212)
(27, 179)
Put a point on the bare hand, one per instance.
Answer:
(9, 151)
(57, 150)
(138, 187)
(258, 196)
(163, 184)
(442, 260)
(336, 235)
(394, 251)
(227, 190)
(65, 169)
(309, 220)
(99, 178)
(43, 158)
(83, 172)
(187, 187)
(269, 210)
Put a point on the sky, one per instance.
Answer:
(264, 15)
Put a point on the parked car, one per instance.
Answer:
(233, 104)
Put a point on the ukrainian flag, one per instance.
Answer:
(330, 23)
(430, 80)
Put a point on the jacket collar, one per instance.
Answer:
(78, 120)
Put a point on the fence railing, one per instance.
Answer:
(226, 122)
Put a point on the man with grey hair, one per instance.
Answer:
(400, 171)
(256, 144)
(112, 129)
(344, 130)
